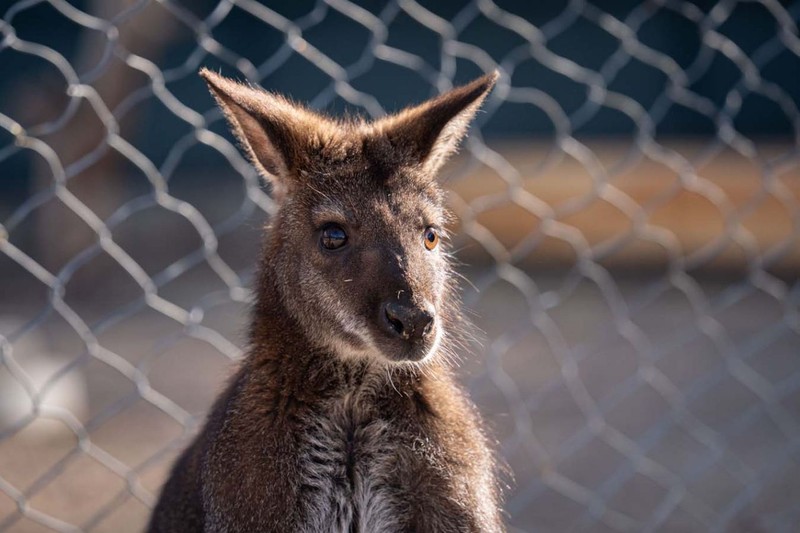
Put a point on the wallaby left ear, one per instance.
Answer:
(274, 132)
(432, 130)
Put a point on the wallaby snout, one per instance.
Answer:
(409, 322)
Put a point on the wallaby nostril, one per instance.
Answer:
(394, 322)
(398, 320)
(428, 327)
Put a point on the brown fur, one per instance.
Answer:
(334, 422)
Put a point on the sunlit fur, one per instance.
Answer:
(335, 421)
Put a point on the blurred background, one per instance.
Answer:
(628, 218)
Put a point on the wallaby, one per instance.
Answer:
(344, 415)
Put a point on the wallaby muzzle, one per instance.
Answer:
(408, 322)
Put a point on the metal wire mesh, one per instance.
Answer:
(639, 295)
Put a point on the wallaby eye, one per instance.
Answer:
(333, 237)
(431, 238)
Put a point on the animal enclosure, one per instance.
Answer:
(627, 222)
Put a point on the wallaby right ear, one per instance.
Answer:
(271, 129)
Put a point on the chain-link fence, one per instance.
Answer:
(627, 207)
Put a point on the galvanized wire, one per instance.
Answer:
(549, 474)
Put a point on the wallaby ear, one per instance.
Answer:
(271, 129)
(432, 130)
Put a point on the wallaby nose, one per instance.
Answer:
(407, 321)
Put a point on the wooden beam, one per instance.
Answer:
(537, 205)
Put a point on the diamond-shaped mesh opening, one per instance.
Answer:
(627, 213)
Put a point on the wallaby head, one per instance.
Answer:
(354, 248)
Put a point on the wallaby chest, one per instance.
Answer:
(348, 462)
